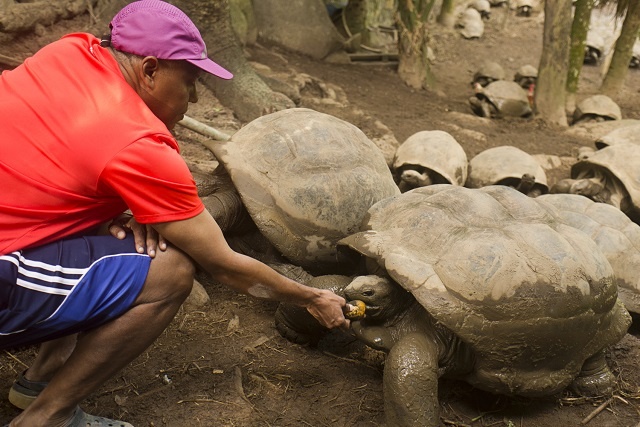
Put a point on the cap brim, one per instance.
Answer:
(211, 67)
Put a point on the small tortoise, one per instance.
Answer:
(482, 285)
(596, 108)
(488, 72)
(593, 48)
(609, 175)
(306, 179)
(526, 76)
(482, 6)
(470, 24)
(635, 55)
(429, 157)
(524, 7)
(499, 99)
(510, 166)
(615, 234)
(628, 134)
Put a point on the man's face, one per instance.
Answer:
(174, 87)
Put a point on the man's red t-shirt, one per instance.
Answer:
(78, 146)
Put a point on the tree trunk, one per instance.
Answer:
(413, 63)
(617, 72)
(21, 17)
(550, 92)
(579, 29)
(246, 94)
(447, 17)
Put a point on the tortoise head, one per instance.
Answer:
(383, 298)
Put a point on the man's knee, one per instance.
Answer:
(171, 274)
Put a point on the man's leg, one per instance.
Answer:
(51, 356)
(102, 352)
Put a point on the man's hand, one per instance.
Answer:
(327, 308)
(144, 236)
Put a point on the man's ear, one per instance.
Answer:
(149, 66)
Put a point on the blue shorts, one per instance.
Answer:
(66, 287)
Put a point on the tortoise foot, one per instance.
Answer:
(595, 379)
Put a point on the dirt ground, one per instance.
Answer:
(224, 364)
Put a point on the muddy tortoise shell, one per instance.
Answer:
(502, 272)
(615, 234)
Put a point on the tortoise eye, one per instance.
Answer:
(368, 293)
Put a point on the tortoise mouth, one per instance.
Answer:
(372, 310)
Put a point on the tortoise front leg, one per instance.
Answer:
(410, 383)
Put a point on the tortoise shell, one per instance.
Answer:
(435, 150)
(470, 24)
(597, 106)
(615, 234)
(618, 164)
(509, 98)
(626, 134)
(502, 272)
(504, 165)
(307, 180)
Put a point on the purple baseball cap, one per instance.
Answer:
(156, 28)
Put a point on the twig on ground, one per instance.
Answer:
(203, 401)
(16, 359)
(454, 423)
(596, 411)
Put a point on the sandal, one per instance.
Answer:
(82, 419)
(23, 391)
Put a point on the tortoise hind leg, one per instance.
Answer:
(595, 378)
(410, 383)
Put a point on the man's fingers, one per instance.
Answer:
(152, 241)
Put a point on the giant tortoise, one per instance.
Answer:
(501, 98)
(627, 134)
(482, 285)
(488, 72)
(429, 157)
(609, 175)
(594, 48)
(596, 108)
(470, 24)
(526, 76)
(510, 166)
(524, 7)
(306, 179)
(615, 234)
